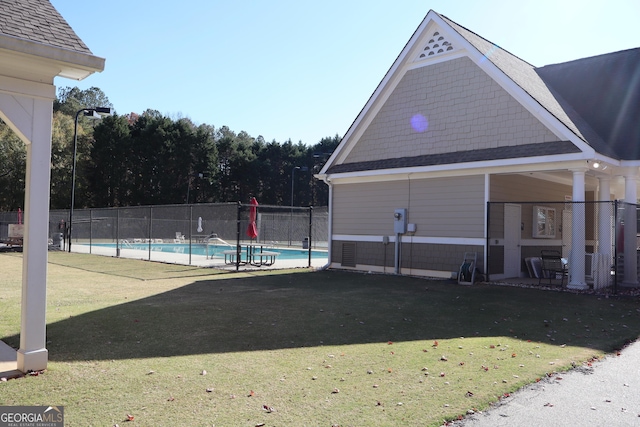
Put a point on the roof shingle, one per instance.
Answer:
(38, 21)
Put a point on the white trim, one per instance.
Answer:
(71, 64)
(519, 165)
(411, 239)
(441, 274)
(14, 86)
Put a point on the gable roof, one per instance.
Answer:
(35, 30)
(605, 91)
(38, 21)
(545, 91)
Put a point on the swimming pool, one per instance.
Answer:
(214, 250)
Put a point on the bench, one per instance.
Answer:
(263, 258)
(231, 255)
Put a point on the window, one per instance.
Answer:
(544, 222)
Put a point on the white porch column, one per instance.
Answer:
(33, 355)
(577, 253)
(630, 228)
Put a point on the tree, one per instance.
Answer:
(13, 160)
(72, 99)
(111, 168)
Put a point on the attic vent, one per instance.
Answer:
(436, 45)
(348, 254)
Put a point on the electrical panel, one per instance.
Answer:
(400, 221)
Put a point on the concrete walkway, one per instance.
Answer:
(8, 362)
(606, 394)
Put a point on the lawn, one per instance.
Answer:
(176, 345)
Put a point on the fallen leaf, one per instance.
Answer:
(171, 399)
(129, 417)
(435, 343)
(513, 355)
(251, 393)
(269, 409)
(469, 394)
(550, 405)
(390, 342)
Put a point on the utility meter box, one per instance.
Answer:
(400, 221)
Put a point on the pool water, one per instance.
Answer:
(215, 250)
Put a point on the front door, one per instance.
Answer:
(512, 233)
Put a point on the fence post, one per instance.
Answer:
(487, 254)
(615, 246)
(238, 248)
(90, 230)
(310, 231)
(117, 232)
(150, 229)
(190, 222)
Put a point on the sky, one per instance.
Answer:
(300, 70)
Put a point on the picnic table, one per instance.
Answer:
(254, 255)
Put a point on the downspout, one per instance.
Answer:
(396, 263)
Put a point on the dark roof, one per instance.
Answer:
(605, 91)
(38, 21)
(517, 151)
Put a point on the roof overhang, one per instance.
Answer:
(40, 62)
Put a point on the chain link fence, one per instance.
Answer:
(519, 232)
(195, 233)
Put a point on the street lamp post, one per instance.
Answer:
(96, 113)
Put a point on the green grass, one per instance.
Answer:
(321, 348)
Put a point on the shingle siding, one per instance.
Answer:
(465, 110)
